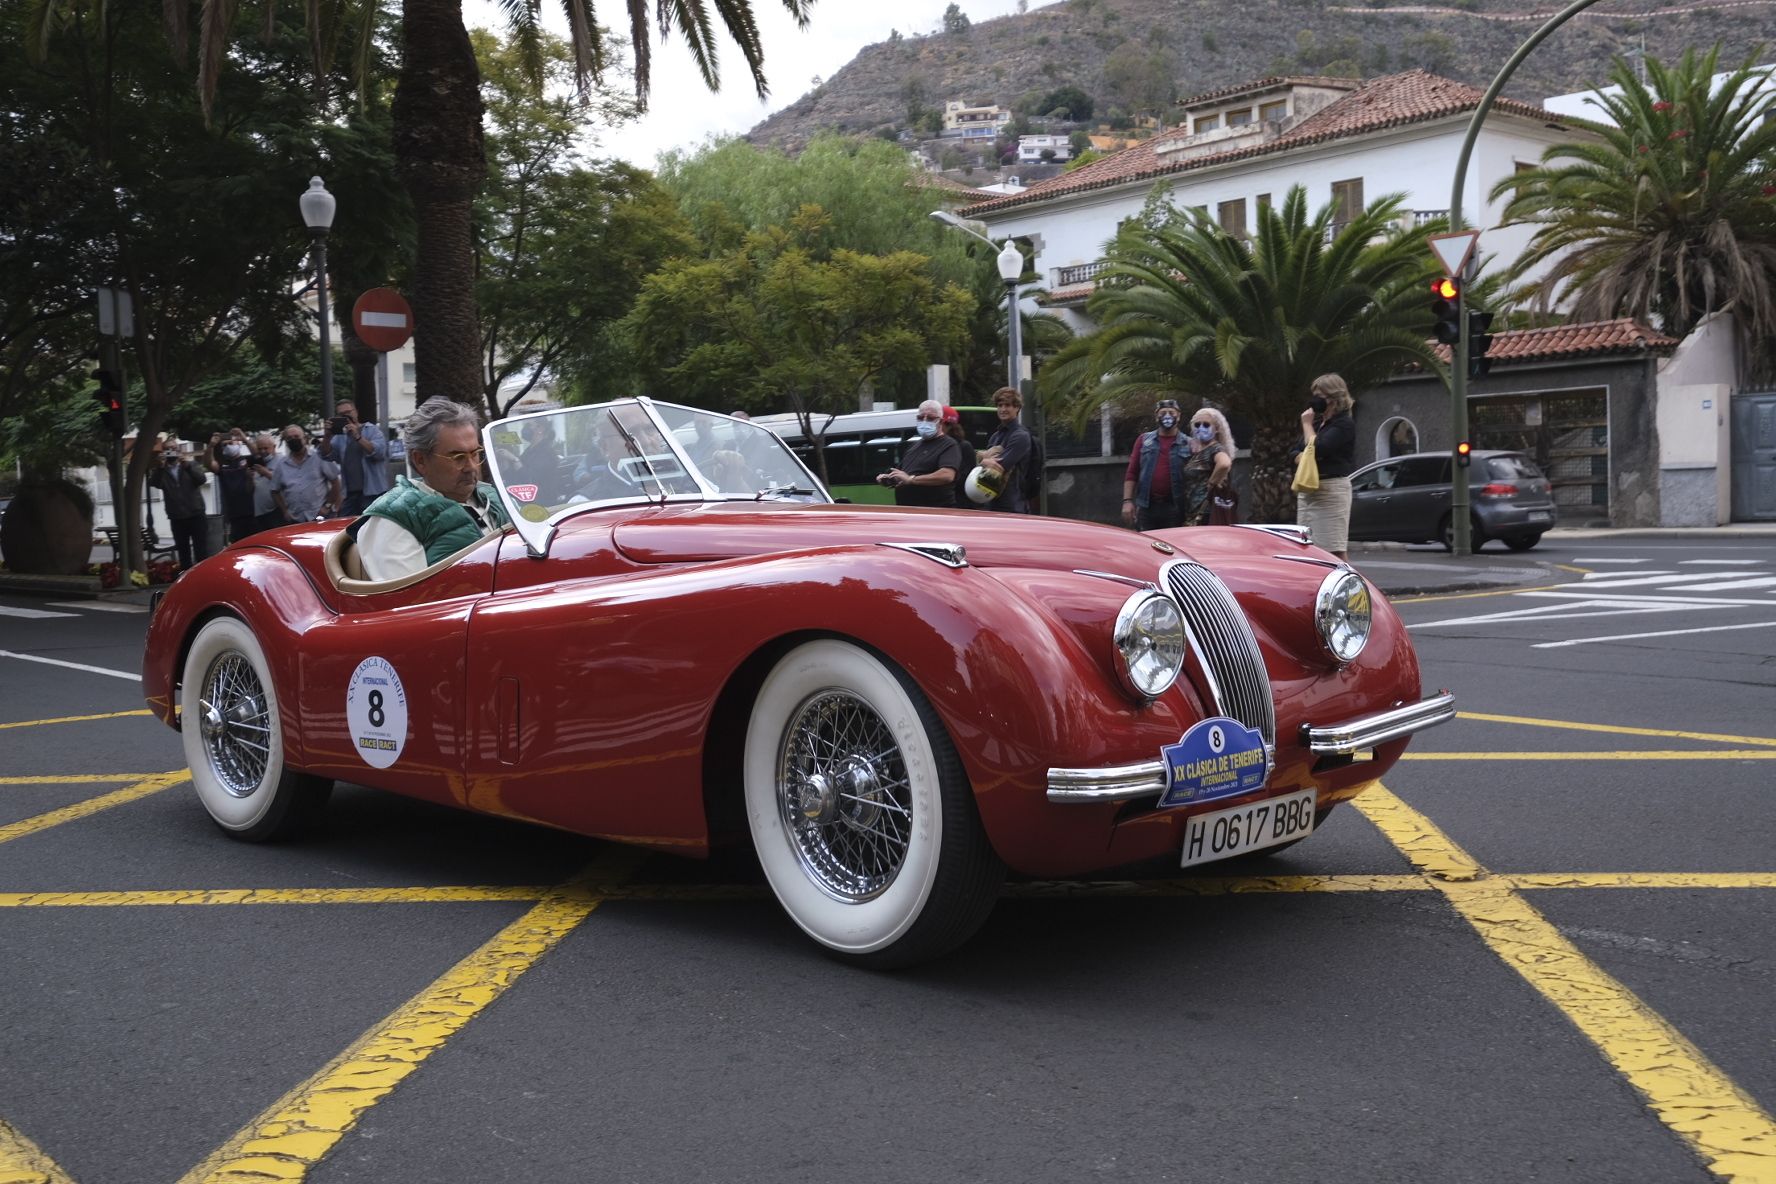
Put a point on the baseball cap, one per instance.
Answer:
(951, 415)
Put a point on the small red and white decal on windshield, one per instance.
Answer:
(523, 493)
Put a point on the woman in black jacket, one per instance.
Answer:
(1328, 427)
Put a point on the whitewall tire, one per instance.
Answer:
(232, 730)
(860, 812)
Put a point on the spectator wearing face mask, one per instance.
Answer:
(265, 509)
(231, 461)
(927, 472)
(304, 484)
(1153, 485)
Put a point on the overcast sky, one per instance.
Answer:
(682, 113)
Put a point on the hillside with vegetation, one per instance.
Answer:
(1137, 56)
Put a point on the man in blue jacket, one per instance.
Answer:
(361, 452)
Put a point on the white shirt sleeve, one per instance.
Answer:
(388, 550)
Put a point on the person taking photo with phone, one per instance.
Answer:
(361, 452)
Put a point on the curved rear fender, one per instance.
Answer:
(264, 588)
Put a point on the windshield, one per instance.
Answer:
(548, 465)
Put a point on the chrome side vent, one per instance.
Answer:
(1224, 645)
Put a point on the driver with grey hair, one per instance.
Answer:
(447, 508)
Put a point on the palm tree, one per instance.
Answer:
(1672, 214)
(437, 129)
(1186, 309)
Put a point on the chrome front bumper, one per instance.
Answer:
(1122, 783)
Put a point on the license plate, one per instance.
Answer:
(1252, 827)
(1538, 516)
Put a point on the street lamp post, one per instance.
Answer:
(1010, 262)
(317, 211)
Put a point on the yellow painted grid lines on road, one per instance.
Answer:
(1724, 1125)
(1615, 729)
(1620, 754)
(72, 719)
(73, 778)
(705, 893)
(117, 797)
(22, 1162)
(440, 894)
(291, 1136)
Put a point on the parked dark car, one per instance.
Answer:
(1406, 499)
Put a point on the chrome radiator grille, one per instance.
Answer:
(1224, 646)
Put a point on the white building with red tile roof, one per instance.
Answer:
(1347, 141)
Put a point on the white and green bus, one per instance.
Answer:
(865, 443)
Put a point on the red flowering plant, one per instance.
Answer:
(162, 571)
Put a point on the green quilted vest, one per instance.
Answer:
(442, 526)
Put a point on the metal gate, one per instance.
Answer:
(1754, 457)
(1568, 435)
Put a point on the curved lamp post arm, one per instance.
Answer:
(1458, 361)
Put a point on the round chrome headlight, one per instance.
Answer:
(1342, 611)
(1149, 643)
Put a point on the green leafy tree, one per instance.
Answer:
(1068, 101)
(782, 318)
(1139, 78)
(564, 241)
(955, 20)
(1672, 214)
(165, 205)
(1185, 309)
(437, 112)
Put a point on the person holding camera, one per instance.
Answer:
(181, 483)
(231, 460)
(361, 452)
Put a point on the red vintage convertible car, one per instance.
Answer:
(683, 642)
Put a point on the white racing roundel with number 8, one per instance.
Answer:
(376, 712)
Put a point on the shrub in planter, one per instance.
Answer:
(48, 528)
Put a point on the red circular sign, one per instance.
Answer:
(382, 319)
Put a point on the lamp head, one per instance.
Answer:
(317, 205)
(1011, 262)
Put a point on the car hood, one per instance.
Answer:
(706, 533)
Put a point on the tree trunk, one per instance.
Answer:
(438, 149)
(1272, 471)
(362, 360)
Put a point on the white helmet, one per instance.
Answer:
(984, 484)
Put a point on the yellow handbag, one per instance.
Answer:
(1307, 471)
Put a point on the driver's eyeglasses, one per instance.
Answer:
(472, 457)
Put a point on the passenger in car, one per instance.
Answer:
(419, 522)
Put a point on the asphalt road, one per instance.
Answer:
(1542, 952)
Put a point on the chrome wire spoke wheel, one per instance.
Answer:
(235, 723)
(231, 727)
(859, 809)
(843, 792)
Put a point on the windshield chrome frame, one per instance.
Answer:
(539, 535)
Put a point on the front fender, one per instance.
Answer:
(266, 589)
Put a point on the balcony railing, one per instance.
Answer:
(1079, 273)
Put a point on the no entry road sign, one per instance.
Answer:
(383, 319)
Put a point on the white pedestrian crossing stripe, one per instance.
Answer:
(1637, 592)
(30, 614)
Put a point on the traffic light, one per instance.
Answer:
(109, 397)
(1464, 452)
(1479, 321)
(1446, 307)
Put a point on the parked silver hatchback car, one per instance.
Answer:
(1406, 499)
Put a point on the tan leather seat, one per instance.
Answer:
(345, 567)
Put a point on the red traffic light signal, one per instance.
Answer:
(1464, 451)
(109, 397)
(1446, 304)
